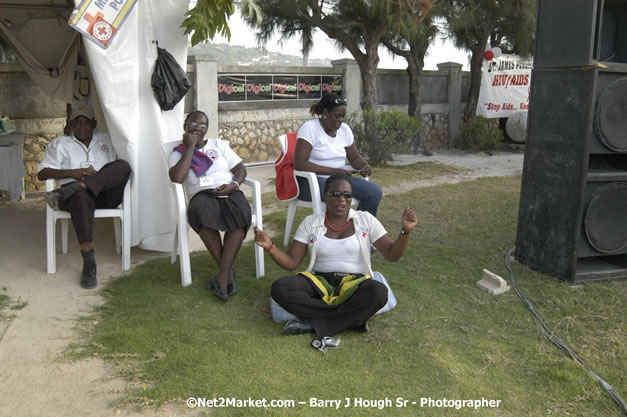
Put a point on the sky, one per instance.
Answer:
(440, 51)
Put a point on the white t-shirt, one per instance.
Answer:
(67, 152)
(340, 255)
(368, 229)
(219, 173)
(326, 150)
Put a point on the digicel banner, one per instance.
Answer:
(505, 82)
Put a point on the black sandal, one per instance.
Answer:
(217, 289)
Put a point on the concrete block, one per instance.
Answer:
(493, 283)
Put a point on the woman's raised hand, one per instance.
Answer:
(262, 239)
(409, 219)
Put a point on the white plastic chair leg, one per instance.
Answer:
(259, 261)
(186, 270)
(118, 239)
(175, 246)
(51, 260)
(291, 212)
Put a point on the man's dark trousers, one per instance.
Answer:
(105, 189)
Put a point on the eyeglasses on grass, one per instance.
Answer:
(337, 194)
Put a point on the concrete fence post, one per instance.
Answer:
(351, 88)
(454, 98)
(206, 90)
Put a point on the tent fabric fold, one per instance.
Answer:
(49, 64)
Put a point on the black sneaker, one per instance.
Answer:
(54, 197)
(88, 277)
(362, 328)
(298, 327)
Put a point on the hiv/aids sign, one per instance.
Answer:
(505, 82)
(100, 20)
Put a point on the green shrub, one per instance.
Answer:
(378, 134)
(480, 134)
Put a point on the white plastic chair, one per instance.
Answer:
(316, 204)
(180, 237)
(121, 222)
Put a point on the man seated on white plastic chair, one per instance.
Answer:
(92, 177)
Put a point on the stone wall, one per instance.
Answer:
(254, 141)
(257, 141)
(435, 130)
(34, 150)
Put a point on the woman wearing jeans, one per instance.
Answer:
(325, 144)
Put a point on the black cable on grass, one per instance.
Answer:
(548, 332)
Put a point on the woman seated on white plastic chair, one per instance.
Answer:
(336, 293)
(325, 144)
(212, 173)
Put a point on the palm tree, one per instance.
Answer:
(355, 25)
(411, 39)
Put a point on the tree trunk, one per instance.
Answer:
(413, 71)
(475, 84)
(368, 63)
(415, 63)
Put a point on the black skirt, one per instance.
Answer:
(224, 214)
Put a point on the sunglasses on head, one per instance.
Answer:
(336, 194)
(340, 101)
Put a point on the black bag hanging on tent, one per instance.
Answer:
(169, 81)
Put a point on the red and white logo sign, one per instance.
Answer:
(102, 31)
(212, 154)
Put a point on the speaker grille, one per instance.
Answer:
(605, 219)
(611, 115)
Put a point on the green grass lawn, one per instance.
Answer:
(446, 339)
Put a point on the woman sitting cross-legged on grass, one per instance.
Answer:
(336, 293)
(212, 173)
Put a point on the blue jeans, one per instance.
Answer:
(368, 193)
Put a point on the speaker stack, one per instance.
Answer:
(573, 208)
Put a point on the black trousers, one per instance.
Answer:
(301, 297)
(105, 189)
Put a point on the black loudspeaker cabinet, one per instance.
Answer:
(580, 32)
(573, 208)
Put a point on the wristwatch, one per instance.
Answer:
(403, 232)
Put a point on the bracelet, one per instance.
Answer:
(270, 248)
(403, 232)
(236, 184)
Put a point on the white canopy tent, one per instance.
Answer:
(121, 77)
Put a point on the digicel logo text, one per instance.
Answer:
(306, 87)
(282, 88)
(257, 88)
(230, 88)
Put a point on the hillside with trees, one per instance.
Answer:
(240, 55)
